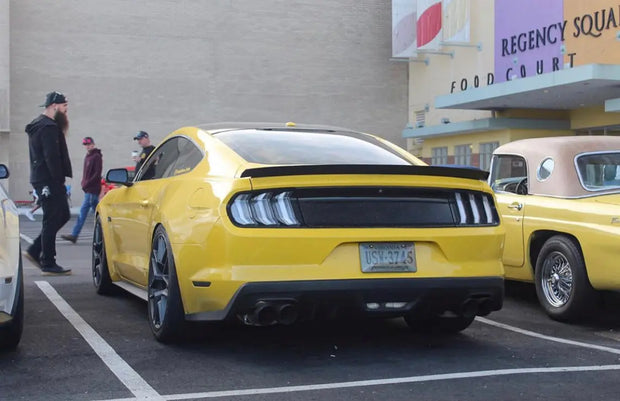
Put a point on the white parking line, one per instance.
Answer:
(26, 238)
(548, 338)
(143, 391)
(401, 380)
(129, 377)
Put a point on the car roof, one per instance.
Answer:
(225, 126)
(560, 145)
(564, 181)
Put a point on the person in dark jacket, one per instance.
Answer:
(91, 185)
(143, 140)
(49, 165)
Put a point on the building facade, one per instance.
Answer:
(525, 69)
(162, 64)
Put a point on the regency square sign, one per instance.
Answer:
(535, 37)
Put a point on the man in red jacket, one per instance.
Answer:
(91, 185)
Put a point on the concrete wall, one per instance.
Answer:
(4, 65)
(157, 65)
(4, 81)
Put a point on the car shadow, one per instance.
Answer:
(602, 316)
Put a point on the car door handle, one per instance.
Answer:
(516, 206)
(144, 203)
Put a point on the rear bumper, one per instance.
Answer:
(373, 297)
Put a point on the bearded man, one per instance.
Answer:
(49, 165)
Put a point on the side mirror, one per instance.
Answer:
(4, 171)
(118, 176)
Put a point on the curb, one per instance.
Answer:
(22, 211)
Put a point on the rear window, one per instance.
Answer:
(599, 171)
(309, 147)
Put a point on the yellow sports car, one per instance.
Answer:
(11, 272)
(560, 204)
(274, 223)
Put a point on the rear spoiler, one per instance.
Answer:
(276, 171)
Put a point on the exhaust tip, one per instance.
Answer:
(484, 307)
(469, 308)
(287, 314)
(265, 313)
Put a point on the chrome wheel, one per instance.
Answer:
(561, 279)
(556, 279)
(158, 282)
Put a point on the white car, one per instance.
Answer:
(11, 271)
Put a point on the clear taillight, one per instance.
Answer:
(475, 209)
(264, 209)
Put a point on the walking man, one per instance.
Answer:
(91, 185)
(49, 165)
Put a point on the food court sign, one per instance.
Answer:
(535, 37)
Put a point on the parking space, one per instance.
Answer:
(81, 346)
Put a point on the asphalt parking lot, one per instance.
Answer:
(81, 346)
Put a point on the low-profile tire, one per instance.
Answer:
(561, 280)
(439, 324)
(165, 306)
(11, 332)
(101, 274)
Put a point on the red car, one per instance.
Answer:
(107, 187)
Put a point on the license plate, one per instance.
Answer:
(380, 257)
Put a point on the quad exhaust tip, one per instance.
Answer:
(268, 313)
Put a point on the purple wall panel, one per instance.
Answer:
(528, 37)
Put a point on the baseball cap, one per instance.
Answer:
(54, 98)
(140, 135)
(88, 141)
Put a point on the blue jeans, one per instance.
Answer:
(90, 202)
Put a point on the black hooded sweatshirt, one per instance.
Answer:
(49, 157)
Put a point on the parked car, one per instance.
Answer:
(274, 223)
(11, 271)
(559, 199)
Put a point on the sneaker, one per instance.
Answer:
(29, 215)
(55, 270)
(34, 260)
(69, 237)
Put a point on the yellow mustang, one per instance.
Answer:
(559, 199)
(274, 223)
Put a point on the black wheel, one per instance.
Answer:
(101, 274)
(439, 324)
(562, 284)
(165, 307)
(11, 333)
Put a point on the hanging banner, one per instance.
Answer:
(404, 15)
(456, 21)
(428, 28)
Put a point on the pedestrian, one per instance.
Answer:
(49, 165)
(91, 185)
(143, 140)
